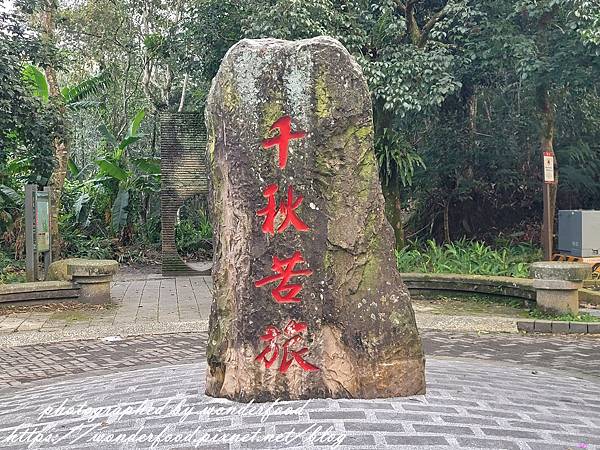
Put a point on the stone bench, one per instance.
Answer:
(504, 286)
(557, 284)
(75, 279)
(93, 278)
(38, 292)
(589, 296)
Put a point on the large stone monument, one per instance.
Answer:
(307, 299)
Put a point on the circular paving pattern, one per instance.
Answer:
(469, 404)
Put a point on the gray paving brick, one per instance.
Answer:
(594, 328)
(526, 326)
(578, 327)
(302, 427)
(472, 442)
(520, 408)
(543, 326)
(442, 429)
(560, 327)
(209, 447)
(522, 434)
(327, 415)
(419, 440)
(535, 425)
(370, 426)
(556, 419)
(353, 441)
(429, 408)
(494, 413)
(271, 418)
(548, 446)
(490, 377)
(405, 417)
(470, 420)
(365, 405)
(586, 439)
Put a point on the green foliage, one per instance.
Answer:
(456, 97)
(83, 246)
(397, 159)
(27, 124)
(194, 241)
(78, 95)
(125, 178)
(583, 317)
(119, 211)
(588, 14)
(11, 271)
(193, 233)
(37, 80)
(467, 257)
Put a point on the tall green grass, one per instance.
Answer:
(467, 257)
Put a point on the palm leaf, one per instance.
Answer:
(112, 169)
(73, 169)
(119, 210)
(128, 141)
(10, 193)
(38, 81)
(82, 91)
(150, 166)
(136, 122)
(108, 136)
(81, 201)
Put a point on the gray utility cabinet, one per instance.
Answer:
(579, 233)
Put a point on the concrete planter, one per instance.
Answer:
(93, 278)
(557, 284)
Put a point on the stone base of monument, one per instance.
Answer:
(93, 278)
(557, 284)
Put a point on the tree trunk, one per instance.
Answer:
(391, 186)
(548, 129)
(447, 221)
(183, 92)
(61, 144)
(393, 211)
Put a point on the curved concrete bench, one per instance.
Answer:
(82, 280)
(38, 292)
(505, 286)
(589, 296)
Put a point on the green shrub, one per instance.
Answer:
(193, 236)
(78, 245)
(11, 271)
(467, 257)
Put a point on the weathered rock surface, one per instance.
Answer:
(57, 270)
(361, 332)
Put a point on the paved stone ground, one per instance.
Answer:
(137, 301)
(484, 390)
(152, 304)
(469, 404)
(579, 356)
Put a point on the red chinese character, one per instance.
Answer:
(287, 210)
(292, 331)
(296, 356)
(282, 141)
(270, 336)
(285, 293)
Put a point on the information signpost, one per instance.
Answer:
(548, 224)
(37, 230)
